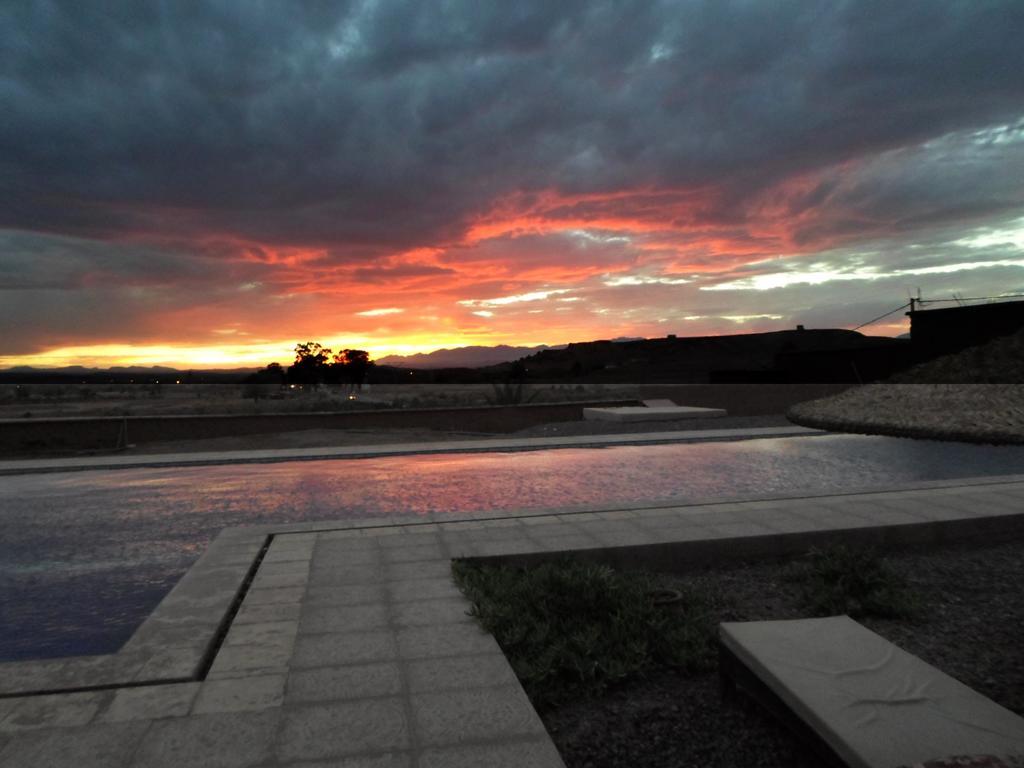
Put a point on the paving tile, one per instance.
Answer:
(601, 525)
(348, 682)
(59, 710)
(444, 640)
(239, 658)
(624, 538)
(422, 589)
(406, 539)
(561, 530)
(685, 532)
(388, 760)
(459, 672)
(739, 530)
(794, 524)
(618, 514)
(268, 633)
(95, 746)
(880, 515)
(150, 702)
(827, 519)
(343, 728)
(413, 554)
(286, 567)
(271, 596)
(339, 649)
(424, 612)
(6, 707)
(418, 529)
(541, 520)
(343, 537)
(295, 539)
(248, 694)
(347, 618)
(370, 573)
(477, 714)
(535, 753)
(463, 525)
(260, 614)
(170, 663)
(326, 556)
(567, 543)
(229, 740)
(87, 671)
(494, 533)
(271, 580)
(16, 676)
(348, 594)
(300, 554)
(423, 569)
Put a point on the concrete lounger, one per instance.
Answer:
(869, 703)
(643, 413)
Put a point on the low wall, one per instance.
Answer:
(29, 436)
(741, 399)
(20, 437)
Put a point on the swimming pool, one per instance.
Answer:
(85, 556)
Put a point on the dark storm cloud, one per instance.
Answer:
(391, 124)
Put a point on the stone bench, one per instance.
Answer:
(857, 699)
(633, 413)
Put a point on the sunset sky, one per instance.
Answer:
(206, 184)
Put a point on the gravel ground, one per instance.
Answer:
(987, 413)
(969, 626)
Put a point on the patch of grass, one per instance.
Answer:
(857, 582)
(572, 629)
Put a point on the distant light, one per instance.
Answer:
(292, 386)
(177, 381)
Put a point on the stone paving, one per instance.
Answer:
(347, 644)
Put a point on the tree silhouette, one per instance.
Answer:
(351, 366)
(314, 365)
(310, 364)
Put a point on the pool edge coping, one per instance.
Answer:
(180, 636)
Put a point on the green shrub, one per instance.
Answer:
(572, 629)
(857, 582)
(510, 393)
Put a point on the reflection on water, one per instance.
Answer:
(85, 556)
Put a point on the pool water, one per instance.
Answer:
(85, 556)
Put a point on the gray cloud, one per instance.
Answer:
(392, 122)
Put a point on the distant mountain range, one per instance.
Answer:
(462, 357)
(122, 374)
(473, 357)
(138, 370)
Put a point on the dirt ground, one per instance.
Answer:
(968, 626)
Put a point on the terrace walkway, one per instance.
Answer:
(349, 643)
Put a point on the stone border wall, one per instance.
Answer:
(977, 413)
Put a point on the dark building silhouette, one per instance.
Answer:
(935, 332)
